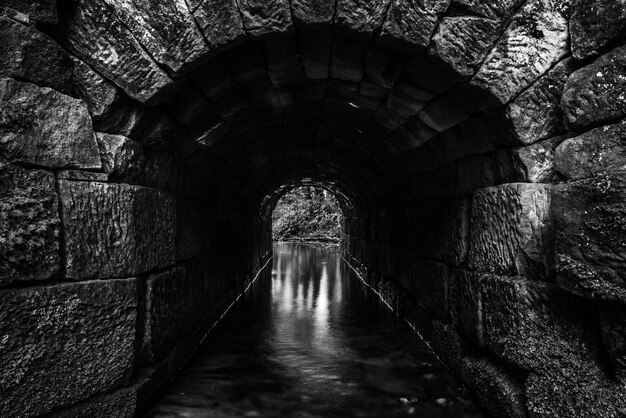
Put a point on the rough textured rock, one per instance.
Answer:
(361, 16)
(81, 175)
(138, 236)
(29, 55)
(29, 224)
(220, 22)
(594, 23)
(166, 313)
(262, 17)
(493, 9)
(123, 403)
(498, 391)
(44, 11)
(572, 395)
(126, 161)
(511, 230)
(462, 43)
(538, 326)
(466, 305)
(536, 113)
(536, 39)
(595, 93)
(536, 163)
(411, 23)
(90, 30)
(166, 29)
(590, 223)
(43, 127)
(100, 95)
(64, 343)
(313, 12)
(599, 151)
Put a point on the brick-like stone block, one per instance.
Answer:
(499, 391)
(594, 23)
(262, 18)
(537, 163)
(40, 10)
(166, 316)
(512, 230)
(590, 241)
(596, 152)
(43, 127)
(31, 56)
(537, 325)
(100, 95)
(64, 343)
(29, 224)
(409, 25)
(466, 304)
(220, 22)
(595, 93)
(116, 230)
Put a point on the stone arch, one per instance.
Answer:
(478, 146)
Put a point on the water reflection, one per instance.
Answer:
(312, 342)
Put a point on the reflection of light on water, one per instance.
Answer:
(321, 311)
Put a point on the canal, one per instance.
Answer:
(312, 341)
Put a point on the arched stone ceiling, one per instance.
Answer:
(355, 93)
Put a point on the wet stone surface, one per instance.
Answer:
(311, 341)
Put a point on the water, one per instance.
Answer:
(313, 342)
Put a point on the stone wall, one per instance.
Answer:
(476, 149)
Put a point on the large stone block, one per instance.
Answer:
(166, 29)
(462, 43)
(361, 16)
(126, 161)
(100, 95)
(536, 163)
(538, 326)
(116, 230)
(44, 11)
(31, 56)
(572, 395)
(595, 93)
(43, 127)
(594, 23)
(220, 22)
(64, 343)
(596, 152)
(123, 403)
(167, 317)
(536, 113)
(29, 224)
(512, 230)
(91, 31)
(409, 25)
(536, 39)
(590, 222)
(499, 391)
(313, 12)
(262, 18)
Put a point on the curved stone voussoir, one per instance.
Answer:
(409, 24)
(462, 43)
(596, 93)
(265, 17)
(90, 30)
(43, 127)
(493, 9)
(64, 343)
(100, 95)
(313, 12)
(31, 56)
(166, 29)
(594, 23)
(220, 22)
(363, 17)
(29, 225)
(139, 235)
(536, 39)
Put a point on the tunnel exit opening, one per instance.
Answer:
(307, 213)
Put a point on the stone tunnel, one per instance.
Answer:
(477, 148)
